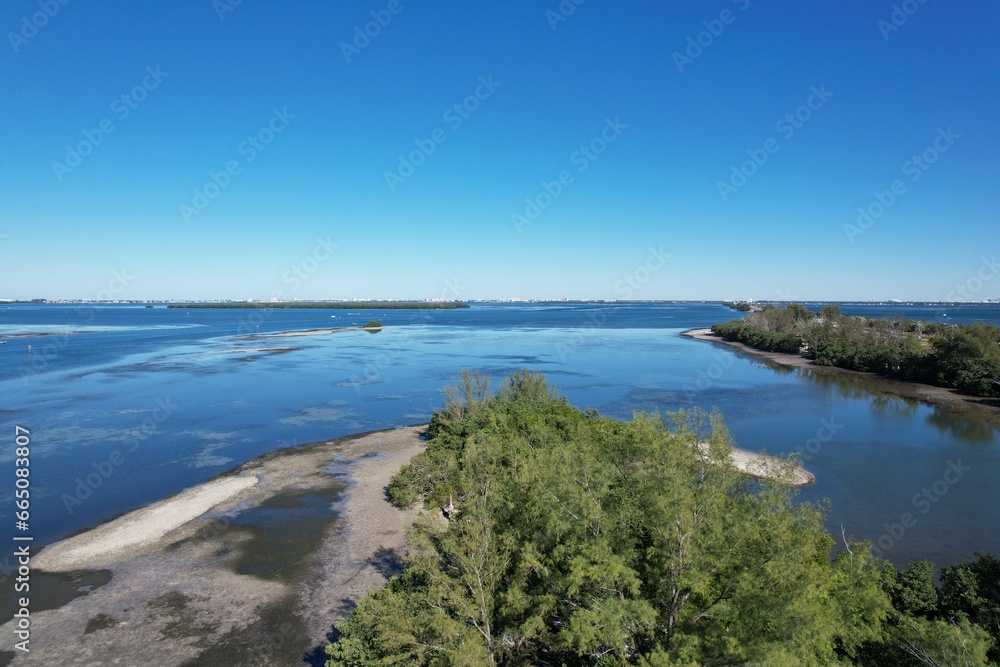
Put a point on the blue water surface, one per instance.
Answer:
(128, 404)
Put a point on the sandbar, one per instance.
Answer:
(764, 466)
(311, 332)
(118, 539)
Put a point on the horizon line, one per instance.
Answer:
(888, 301)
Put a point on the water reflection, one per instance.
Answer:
(886, 405)
(860, 387)
(955, 425)
(964, 422)
(770, 365)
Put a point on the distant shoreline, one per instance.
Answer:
(719, 302)
(905, 388)
(326, 305)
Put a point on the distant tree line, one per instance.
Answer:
(578, 540)
(331, 305)
(964, 357)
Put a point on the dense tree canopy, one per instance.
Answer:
(580, 540)
(954, 625)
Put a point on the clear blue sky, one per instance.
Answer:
(66, 229)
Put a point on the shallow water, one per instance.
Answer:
(147, 402)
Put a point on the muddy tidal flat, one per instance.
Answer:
(251, 568)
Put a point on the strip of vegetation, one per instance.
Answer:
(964, 357)
(742, 306)
(331, 305)
(575, 539)
(761, 339)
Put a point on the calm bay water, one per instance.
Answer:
(127, 405)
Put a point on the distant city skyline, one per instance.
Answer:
(389, 149)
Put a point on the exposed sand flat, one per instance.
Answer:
(702, 334)
(763, 466)
(259, 578)
(15, 336)
(372, 541)
(309, 332)
(247, 350)
(118, 540)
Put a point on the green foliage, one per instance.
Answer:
(580, 540)
(770, 329)
(790, 319)
(965, 357)
(944, 643)
(741, 306)
(769, 341)
(830, 312)
(912, 591)
(972, 591)
(956, 624)
(372, 324)
(869, 345)
(798, 312)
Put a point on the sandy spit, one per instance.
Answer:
(763, 466)
(119, 539)
(310, 332)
